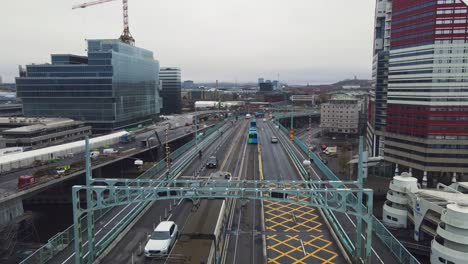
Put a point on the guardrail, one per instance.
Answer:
(397, 249)
(61, 240)
(116, 230)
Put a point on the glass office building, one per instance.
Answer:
(115, 86)
(171, 90)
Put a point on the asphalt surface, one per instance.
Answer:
(380, 252)
(296, 233)
(244, 240)
(113, 217)
(132, 243)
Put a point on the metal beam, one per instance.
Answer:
(121, 192)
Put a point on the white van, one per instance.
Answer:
(109, 151)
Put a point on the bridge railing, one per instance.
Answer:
(329, 214)
(398, 250)
(159, 167)
(58, 242)
(61, 240)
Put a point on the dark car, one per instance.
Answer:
(212, 162)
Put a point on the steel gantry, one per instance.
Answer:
(105, 193)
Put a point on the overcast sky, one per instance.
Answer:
(315, 41)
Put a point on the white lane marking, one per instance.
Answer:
(240, 209)
(112, 219)
(237, 235)
(362, 235)
(372, 248)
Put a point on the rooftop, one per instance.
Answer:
(29, 125)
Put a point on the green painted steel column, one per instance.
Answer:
(360, 167)
(370, 205)
(359, 205)
(359, 226)
(77, 223)
(89, 203)
(292, 120)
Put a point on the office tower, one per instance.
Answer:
(171, 90)
(375, 137)
(266, 87)
(427, 99)
(115, 86)
(189, 84)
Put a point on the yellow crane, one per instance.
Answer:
(126, 36)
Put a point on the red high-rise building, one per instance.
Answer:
(427, 94)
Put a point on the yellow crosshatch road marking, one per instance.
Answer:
(287, 248)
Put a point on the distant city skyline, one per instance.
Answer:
(248, 40)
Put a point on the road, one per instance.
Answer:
(130, 243)
(380, 252)
(244, 239)
(292, 232)
(234, 155)
(296, 233)
(8, 182)
(110, 221)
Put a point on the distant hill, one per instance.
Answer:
(362, 83)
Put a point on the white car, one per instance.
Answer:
(162, 239)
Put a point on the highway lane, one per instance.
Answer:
(380, 252)
(296, 233)
(244, 239)
(130, 243)
(108, 223)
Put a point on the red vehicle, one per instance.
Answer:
(188, 124)
(24, 181)
(324, 147)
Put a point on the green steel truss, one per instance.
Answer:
(105, 193)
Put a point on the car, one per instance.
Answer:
(212, 162)
(274, 139)
(162, 239)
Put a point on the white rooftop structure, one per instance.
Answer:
(24, 159)
(28, 125)
(441, 213)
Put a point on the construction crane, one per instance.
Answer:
(126, 37)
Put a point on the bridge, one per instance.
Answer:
(295, 211)
(9, 180)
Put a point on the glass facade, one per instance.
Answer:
(171, 90)
(116, 86)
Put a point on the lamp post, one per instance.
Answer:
(196, 129)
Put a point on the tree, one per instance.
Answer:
(323, 98)
(343, 161)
